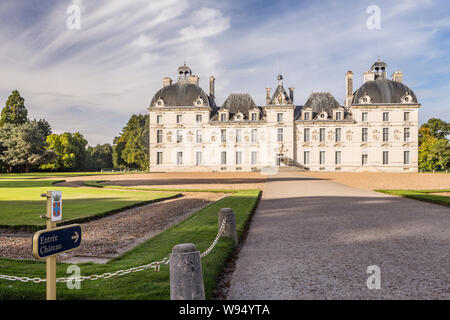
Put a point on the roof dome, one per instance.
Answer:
(181, 94)
(384, 90)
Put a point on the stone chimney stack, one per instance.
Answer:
(194, 79)
(212, 86)
(166, 81)
(267, 95)
(369, 76)
(348, 88)
(291, 93)
(397, 76)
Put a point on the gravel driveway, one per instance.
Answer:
(315, 239)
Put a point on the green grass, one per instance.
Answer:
(422, 195)
(38, 175)
(21, 204)
(200, 229)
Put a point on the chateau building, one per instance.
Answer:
(376, 129)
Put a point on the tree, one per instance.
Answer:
(14, 111)
(438, 128)
(99, 157)
(441, 152)
(70, 150)
(24, 146)
(434, 153)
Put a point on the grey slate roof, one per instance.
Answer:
(319, 101)
(239, 102)
(383, 91)
(279, 89)
(181, 94)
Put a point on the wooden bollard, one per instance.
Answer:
(230, 224)
(186, 277)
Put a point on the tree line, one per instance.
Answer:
(29, 145)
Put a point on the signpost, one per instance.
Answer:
(52, 241)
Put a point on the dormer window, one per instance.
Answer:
(365, 99)
(239, 117)
(254, 116)
(323, 116)
(338, 116)
(160, 103)
(407, 98)
(223, 117)
(306, 116)
(199, 102)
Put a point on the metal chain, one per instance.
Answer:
(154, 265)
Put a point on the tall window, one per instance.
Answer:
(385, 134)
(179, 158)
(223, 135)
(338, 115)
(322, 135)
(159, 158)
(198, 118)
(198, 136)
(365, 134)
(254, 116)
(179, 118)
(223, 117)
(238, 135)
(406, 159)
(337, 157)
(385, 116)
(406, 116)
(159, 136)
(254, 157)
(406, 134)
(279, 117)
(322, 157)
(223, 158)
(306, 157)
(306, 134)
(198, 158)
(159, 118)
(385, 157)
(338, 134)
(280, 134)
(306, 116)
(364, 117)
(238, 157)
(254, 135)
(364, 159)
(179, 136)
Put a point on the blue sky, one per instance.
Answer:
(91, 80)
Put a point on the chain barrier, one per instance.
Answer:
(154, 265)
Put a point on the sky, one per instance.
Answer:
(91, 79)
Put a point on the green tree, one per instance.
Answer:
(24, 146)
(99, 157)
(440, 151)
(438, 128)
(14, 111)
(70, 150)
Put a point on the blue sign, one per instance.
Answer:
(49, 242)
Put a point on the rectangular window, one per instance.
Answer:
(279, 117)
(254, 157)
(364, 117)
(179, 118)
(385, 116)
(364, 159)
(159, 158)
(306, 134)
(238, 157)
(223, 135)
(238, 135)
(337, 158)
(406, 116)
(223, 157)
(280, 134)
(179, 136)
(385, 134)
(385, 157)
(406, 134)
(254, 135)
(198, 136)
(338, 115)
(159, 119)
(406, 157)
(159, 136)
(365, 134)
(254, 116)
(306, 116)
(306, 157)
(198, 118)
(322, 135)
(338, 134)
(223, 117)
(198, 158)
(179, 158)
(322, 157)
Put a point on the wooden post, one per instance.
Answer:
(50, 261)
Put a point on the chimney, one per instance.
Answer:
(397, 76)
(348, 88)
(369, 76)
(267, 96)
(212, 87)
(291, 94)
(193, 79)
(166, 81)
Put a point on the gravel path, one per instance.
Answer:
(314, 239)
(112, 235)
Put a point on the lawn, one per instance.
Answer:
(200, 229)
(422, 195)
(21, 204)
(38, 175)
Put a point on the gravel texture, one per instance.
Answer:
(315, 239)
(112, 235)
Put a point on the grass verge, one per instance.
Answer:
(422, 195)
(200, 229)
